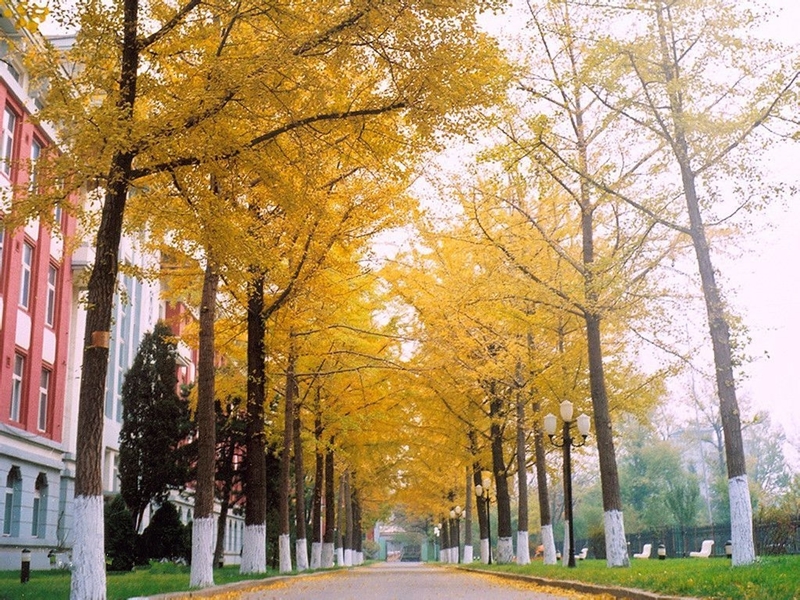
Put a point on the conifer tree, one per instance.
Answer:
(155, 423)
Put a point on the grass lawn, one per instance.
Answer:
(157, 579)
(771, 578)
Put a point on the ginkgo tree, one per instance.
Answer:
(704, 96)
(474, 356)
(145, 102)
(604, 254)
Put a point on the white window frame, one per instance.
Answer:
(44, 398)
(16, 387)
(7, 146)
(26, 275)
(36, 153)
(50, 298)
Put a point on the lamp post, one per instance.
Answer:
(455, 517)
(436, 530)
(482, 490)
(567, 443)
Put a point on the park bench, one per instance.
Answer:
(645, 553)
(705, 550)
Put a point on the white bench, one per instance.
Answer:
(705, 550)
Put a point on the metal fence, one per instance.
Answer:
(771, 537)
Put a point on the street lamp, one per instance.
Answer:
(455, 517)
(567, 443)
(484, 491)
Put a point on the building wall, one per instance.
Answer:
(35, 301)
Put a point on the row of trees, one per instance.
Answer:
(264, 147)
(158, 457)
(567, 239)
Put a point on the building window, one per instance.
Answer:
(44, 394)
(25, 276)
(13, 503)
(16, 387)
(115, 474)
(36, 152)
(50, 305)
(7, 147)
(39, 516)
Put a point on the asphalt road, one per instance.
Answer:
(401, 581)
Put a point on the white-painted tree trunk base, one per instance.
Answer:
(316, 555)
(360, 556)
(88, 559)
(340, 557)
(284, 553)
(565, 549)
(454, 552)
(348, 557)
(254, 549)
(741, 522)
(468, 554)
(301, 554)
(328, 552)
(485, 549)
(505, 550)
(201, 573)
(523, 548)
(549, 543)
(616, 544)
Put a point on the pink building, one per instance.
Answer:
(35, 310)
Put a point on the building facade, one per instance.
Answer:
(35, 300)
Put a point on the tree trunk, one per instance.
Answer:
(445, 539)
(222, 521)
(358, 549)
(228, 453)
(480, 501)
(301, 543)
(341, 512)
(468, 550)
(505, 549)
(202, 569)
(254, 540)
(545, 518)
(284, 544)
(523, 540)
(616, 543)
(319, 476)
(88, 580)
(348, 519)
(329, 539)
(738, 489)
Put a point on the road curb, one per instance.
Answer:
(580, 586)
